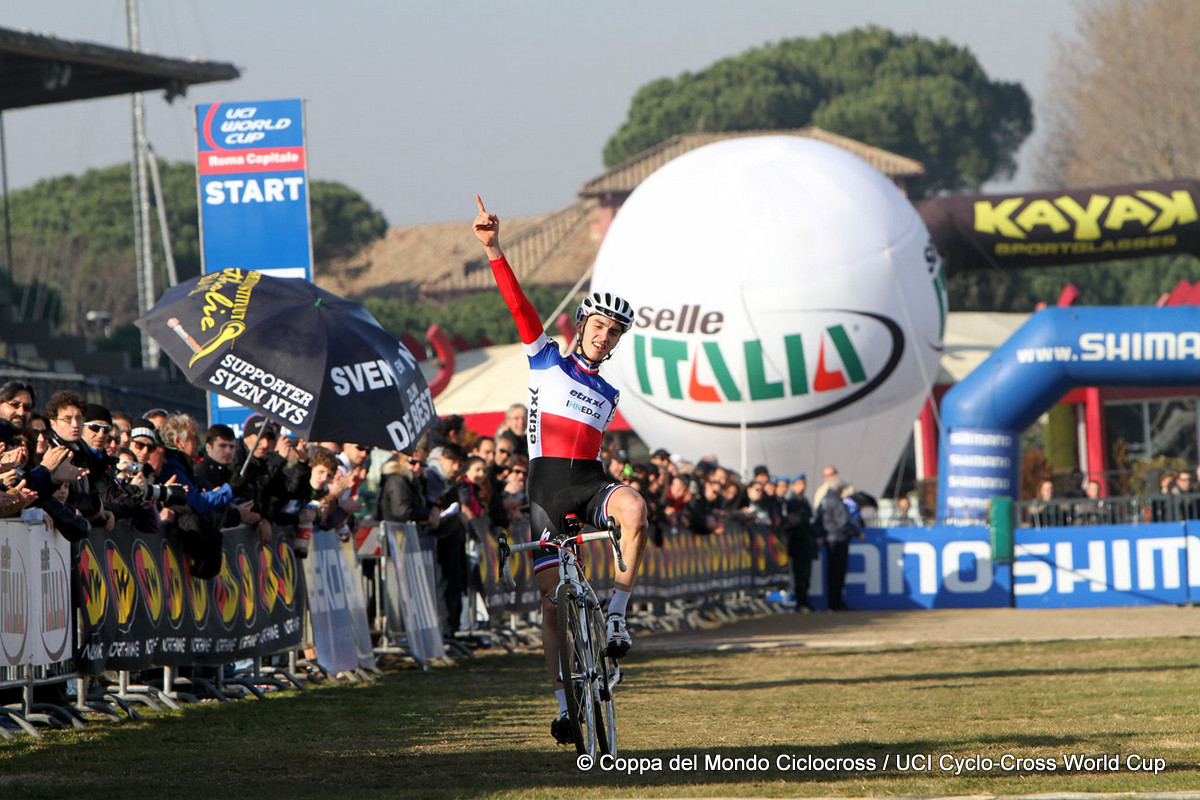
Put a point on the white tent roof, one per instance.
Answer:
(971, 337)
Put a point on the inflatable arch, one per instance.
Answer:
(1057, 350)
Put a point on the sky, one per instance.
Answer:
(421, 105)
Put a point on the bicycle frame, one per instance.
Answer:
(587, 672)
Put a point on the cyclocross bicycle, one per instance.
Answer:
(587, 673)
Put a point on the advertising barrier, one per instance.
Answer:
(336, 607)
(411, 581)
(411, 578)
(35, 597)
(140, 607)
(741, 558)
(941, 567)
(909, 568)
(1113, 565)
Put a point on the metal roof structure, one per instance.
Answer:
(39, 69)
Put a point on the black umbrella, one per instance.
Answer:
(317, 363)
(864, 500)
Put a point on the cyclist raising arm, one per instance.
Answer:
(570, 407)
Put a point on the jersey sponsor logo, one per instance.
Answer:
(533, 423)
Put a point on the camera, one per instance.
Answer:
(159, 493)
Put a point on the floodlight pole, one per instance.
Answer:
(141, 200)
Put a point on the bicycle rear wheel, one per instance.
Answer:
(606, 679)
(576, 668)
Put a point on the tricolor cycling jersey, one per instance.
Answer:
(570, 405)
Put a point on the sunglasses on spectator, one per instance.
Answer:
(360, 447)
(98, 427)
(19, 404)
(505, 452)
(519, 472)
(416, 462)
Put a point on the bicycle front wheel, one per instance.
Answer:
(607, 676)
(577, 669)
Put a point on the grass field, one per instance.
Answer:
(906, 717)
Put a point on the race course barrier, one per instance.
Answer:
(35, 597)
(742, 558)
(909, 568)
(140, 607)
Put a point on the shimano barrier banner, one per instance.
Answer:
(1056, 350)
(140, 607)
(1073, 226)
(335, 601)
(411, 575)
(254, 201)
(906, 567)
(1107, 565)
(35, 596)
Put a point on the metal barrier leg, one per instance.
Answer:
(19, 720)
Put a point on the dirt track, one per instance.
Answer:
(882, 628)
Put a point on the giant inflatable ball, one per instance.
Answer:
(790, 309)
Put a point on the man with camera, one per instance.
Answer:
(66, 411)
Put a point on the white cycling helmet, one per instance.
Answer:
(609, 305)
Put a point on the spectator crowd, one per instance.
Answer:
(459, 483)
(78, 465)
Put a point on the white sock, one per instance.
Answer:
(620, 599)
(561, 696)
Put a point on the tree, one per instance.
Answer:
(471, 315)
(1122, 98)
(923, 99)
(342, 220)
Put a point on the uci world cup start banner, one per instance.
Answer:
(252, 165)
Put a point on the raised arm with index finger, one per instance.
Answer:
(487, 230)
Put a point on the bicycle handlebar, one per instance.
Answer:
(505, 549)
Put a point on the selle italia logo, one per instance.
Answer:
(831, 359)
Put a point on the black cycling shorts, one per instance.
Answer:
(561, 486)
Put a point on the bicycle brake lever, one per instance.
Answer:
(614, 538)
(505, 570)
(620, 560)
